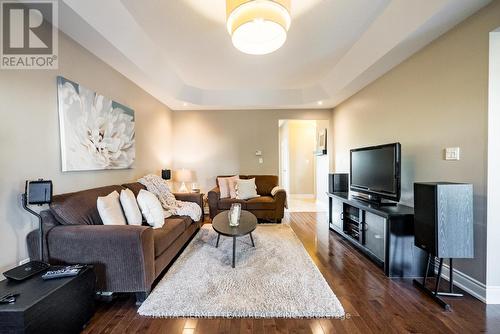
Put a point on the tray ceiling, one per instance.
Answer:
(180, 52)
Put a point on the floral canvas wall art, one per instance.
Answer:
(96, 132)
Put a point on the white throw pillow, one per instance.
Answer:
(223, 187)
(246, 189)
(130, 207)
(110, 210)
(151, 208)
(231, 182)
(227, 186)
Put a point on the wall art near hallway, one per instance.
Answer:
(96, 132)
(321, 142)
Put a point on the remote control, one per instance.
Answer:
(68, 271)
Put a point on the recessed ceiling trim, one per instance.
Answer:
(408, 17)
(401, 29)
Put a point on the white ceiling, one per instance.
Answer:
(180, 52)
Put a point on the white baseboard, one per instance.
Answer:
(486, 294)
(301, 196)
(321, 205)
(493, 295)
(466, 283)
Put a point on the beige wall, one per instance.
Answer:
(436, 99)
(224, 142)
(302, 143)
(29, 137)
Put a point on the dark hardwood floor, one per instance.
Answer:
(373, 303)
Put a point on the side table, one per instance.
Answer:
(63, 305)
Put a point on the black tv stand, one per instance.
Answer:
(373, 200)
(383, 233)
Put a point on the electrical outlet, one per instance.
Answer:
(261, 160)
(452, 153)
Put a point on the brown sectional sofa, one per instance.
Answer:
(266, 206)
(125, 258)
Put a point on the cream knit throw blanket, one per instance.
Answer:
(172, 207)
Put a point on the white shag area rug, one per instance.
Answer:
(276, 279)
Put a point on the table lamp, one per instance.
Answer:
(183, 176)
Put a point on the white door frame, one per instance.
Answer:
(284, 160)
(493, 192)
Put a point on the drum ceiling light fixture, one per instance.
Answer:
(258, 27)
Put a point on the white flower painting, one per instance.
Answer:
(96, 132)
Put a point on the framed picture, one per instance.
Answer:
(321, 143)
(96, 132)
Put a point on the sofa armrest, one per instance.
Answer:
(278, 192)
(123, 256)
(281, 203)
(194, 198)
(190, 197)
(213, 201)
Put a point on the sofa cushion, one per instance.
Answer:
(130, 207)
(261, 203)
(151, 208)
(110, 210)
(135, 187)
(232, 182)
(225, 203)
(264, 183)
(223, 183)
(187, 220)
(223, 177)
(246, 189)
(166, 235)
(80, 208)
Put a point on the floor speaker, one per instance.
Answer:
(444, 219)
(444, 229)
(338, 183)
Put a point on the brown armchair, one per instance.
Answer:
(267, 206)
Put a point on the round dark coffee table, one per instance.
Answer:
(248, 223)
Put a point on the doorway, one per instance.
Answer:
(302, 173)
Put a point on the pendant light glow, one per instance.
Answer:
(258, 27)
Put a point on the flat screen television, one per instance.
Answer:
(376, 171)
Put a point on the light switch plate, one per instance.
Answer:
(261, 160)
(452, 153)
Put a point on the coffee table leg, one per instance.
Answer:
(234, 249)
(251, 238)
(218, 237)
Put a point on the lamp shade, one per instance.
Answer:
(184, 175)
(166, 174)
